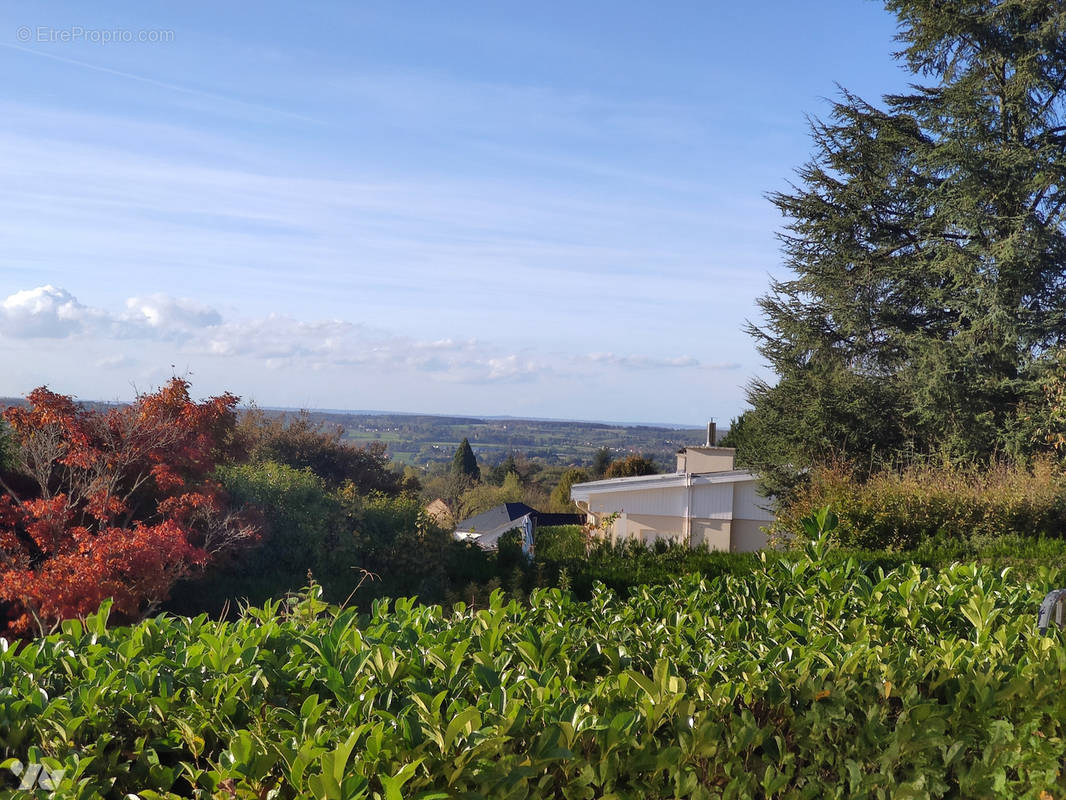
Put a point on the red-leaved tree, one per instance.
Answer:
(113, 504)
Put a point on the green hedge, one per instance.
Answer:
(904, 510)
(799, 679)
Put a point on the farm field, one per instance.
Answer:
(422, 440)
(797, 679)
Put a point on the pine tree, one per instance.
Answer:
(601, 461)
(464, 462)
(928, 242)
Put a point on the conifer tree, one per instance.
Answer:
(464, 462)
(601, 461)
(927, 239)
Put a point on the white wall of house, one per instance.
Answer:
(719, 509)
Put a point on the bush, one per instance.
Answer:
(798, 679)
(304, 531)
(559, 542)
(904, 510)
(336, 538)
(626, 566)
(302, 443)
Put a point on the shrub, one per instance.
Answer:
(115, 503)
(559, 542)
(905, 509)
(798, 679)
(302, 443)
(631, 466)
(304, 531)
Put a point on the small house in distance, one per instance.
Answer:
(486, 528)
(704, 503)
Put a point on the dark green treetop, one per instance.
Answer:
(464, 462)
(928, 246)
(601, 461)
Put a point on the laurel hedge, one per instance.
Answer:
(798, 679)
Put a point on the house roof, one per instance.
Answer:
(549, 520)
(495, 517)
(581, 491)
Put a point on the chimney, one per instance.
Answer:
(712, 434)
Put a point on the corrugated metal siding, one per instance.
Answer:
(748, 504)
(661, 502)
(712, 501)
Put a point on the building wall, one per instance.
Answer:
(658, 502)
(648, 528)
(706, 459)
(712, 534)
(714, 501)
(748, 535)
(726, 515)
(748, 503)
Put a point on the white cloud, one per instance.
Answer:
(162, 311)
(50, 312)
(42, 313)
(191, 330)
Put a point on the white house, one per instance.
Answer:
(705, 503)
(485, 529)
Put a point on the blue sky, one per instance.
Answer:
(544, 209)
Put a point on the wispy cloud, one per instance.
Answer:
(279, 341)
(159, 84)
(642, 362)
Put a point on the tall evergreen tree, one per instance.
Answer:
(601, 461)
(928, 242)
(464, 462)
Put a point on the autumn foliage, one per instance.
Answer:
(111, 504)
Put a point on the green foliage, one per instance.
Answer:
(628, 566)
(927, 239)
(904, 510)
(304, 530)
(601, 461)
(449, 487)
(464, 462)
(509, 556)
(336, 537)
(1045, 419)
(630, 467)
(796, 680)
(475, 498)
(560, 542)
(8, 447)
(484, 496)
(560, 497)
(303, 443)
(739, 437)
(499, 473)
